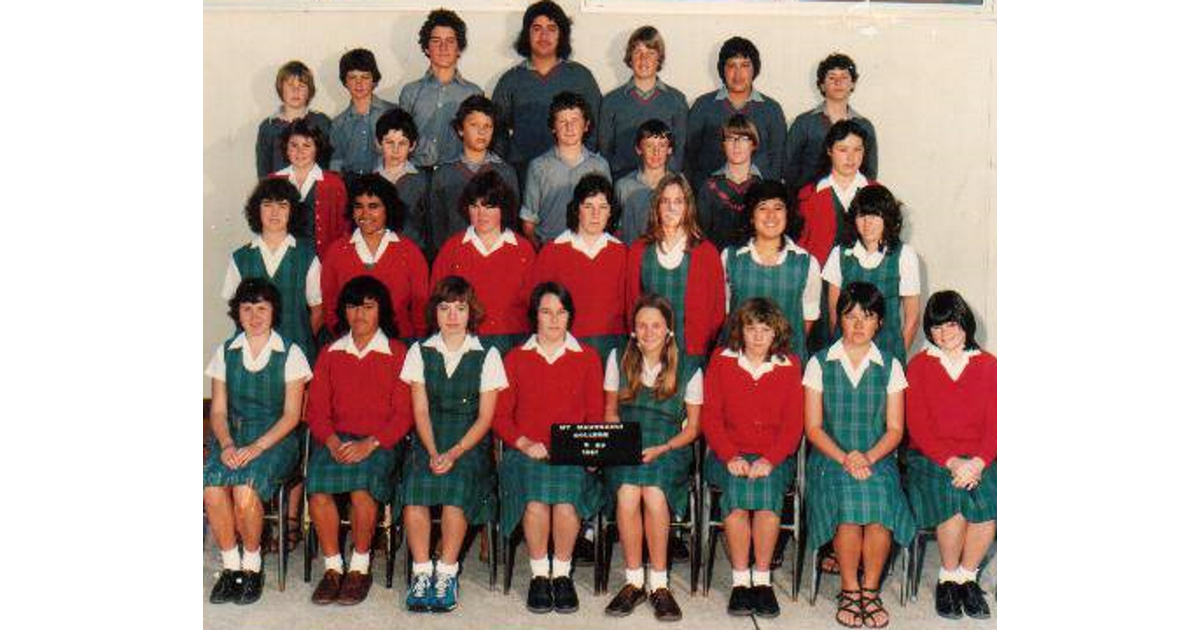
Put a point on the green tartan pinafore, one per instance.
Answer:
(453, 408)
(605, 344)
(523, 480)
(671, 284)
(783, 283)
(293, 322)
(255, 404)
(886, 278)
(743, 493)
(660, 421)
(855, 418)
(373, 474)
(934, 499)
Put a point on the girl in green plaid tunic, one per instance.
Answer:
(854, 417)
(455, 380)
(653, 385)
(257, 388)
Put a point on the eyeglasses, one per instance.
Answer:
(735, 140)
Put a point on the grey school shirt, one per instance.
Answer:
(550, 185)
(447, 185)
(634, 196)
(710, 111)
(624, 109)
(806, 147)
(523, 97)
(413, 189)
(353, 138)
(433, 106)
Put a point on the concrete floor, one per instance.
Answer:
(479, 608)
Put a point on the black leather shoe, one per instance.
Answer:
(625, 601)
(665, 607)
(565, 599)
(973, 602)
(540, 600)
(948, 600)
(741, 602)
(251, 587)
(765, 604)
(228, 587)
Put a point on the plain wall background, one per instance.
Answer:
(928, 82)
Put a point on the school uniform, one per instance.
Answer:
(793, 283)
(711, 110)
(397, 263)
(453, 382)
(256, 389)
(896, 273)
(502, 277)
(823, 207)
(323, 197)
(622, 112)
(634, 195)
(752, 412)
(412, 186)
(854, 401)
(352, 136)
(806, 146)
(595, 276)
(356, 394)
(693, 282)
(950, 411)
(269, 155)
(550, 186)
(433, 106)
(446, 189)
(721, 206)
(660, 420)
(295, 271)
(546, 388)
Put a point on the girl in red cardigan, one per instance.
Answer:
(673, 260)
(322, 192)
(951, 478)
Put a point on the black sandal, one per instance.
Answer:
(852, 605)
(876, 604)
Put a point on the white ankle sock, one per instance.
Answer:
(447, 569)
(360, 562)
(636, 577)
(252, 560)
(231, 559)
(423, 567)
(658, 579)
(964, 575)
(333, 562)
(948, 575)
(760, 578)
(540, 567)
(562, 568)
(741, 578)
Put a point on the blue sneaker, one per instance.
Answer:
(420, 593)
(445, 593)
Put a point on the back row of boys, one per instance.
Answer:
(515, 131)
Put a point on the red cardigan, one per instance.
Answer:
(597, 285)
(360, 396)
(820, 220)
(742, 416)
(540, 394)
(402, 269)
(329, 201)
(703, 299)
(503, 281)
(951, 418)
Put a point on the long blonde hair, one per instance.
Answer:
(667, 382)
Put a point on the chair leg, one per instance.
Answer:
(815, 571)
(510, 555)
(710, 559)
(598, 563)
(918, 562)
(390, 566)
(281, 534)
(493, 553)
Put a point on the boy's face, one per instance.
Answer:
(654, 150)
(837, 85)
(360, 84)
(645, 61)
(443, 49)
(570, 127)
(739, 75)
(738, 148)
(543, 37)
(295, 93)
(476, 131)
(395, 148)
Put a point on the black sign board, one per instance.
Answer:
(608, 444)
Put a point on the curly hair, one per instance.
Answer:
(557, 15)
(397, 120)
(447, 18)
(767, 190)
(875, 200)
(280, 190)
(356, 292)
(453, 289)
(835, 61)
(250, 291)
(305, 129)
(374, 185)
(760, 310)
(591, 185)
(569, 100)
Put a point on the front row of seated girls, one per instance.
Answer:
(753, 402)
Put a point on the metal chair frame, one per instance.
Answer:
(923, 537)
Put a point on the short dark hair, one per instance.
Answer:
(569, 100)
(876, 200)
(250, 291)
(766, 190)
(455, 289)
(447, 18)
(590, 185)
(761, 310)
(738, 47)
(359, 59)
(654, 128)
(558, 291)
(554, 12)
(835, 61)
(397, 119)
(276, 189)
(302, 127)
(374, 185)
(949, 306)
(490, 188)
(863, 295)
(355, 292)
(471, 104)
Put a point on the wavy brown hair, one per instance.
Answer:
(455, 289)
(761, 310)
(691, 218)
(667, 382)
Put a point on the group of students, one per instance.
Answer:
(461, 267)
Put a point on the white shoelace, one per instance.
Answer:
(421, 585)
(441, 585)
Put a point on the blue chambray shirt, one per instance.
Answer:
(353, 138)
(433, 106)
(550, 185)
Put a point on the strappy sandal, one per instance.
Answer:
(852, 605)
(872, 605)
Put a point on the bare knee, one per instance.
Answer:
(564, 510)
(245, 499)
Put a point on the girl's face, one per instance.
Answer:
(650, 327)
(738, 148)
(645, 61)
(770, 218)
(859, 326)
(950, 337)
(593, 214)
(301, 152)
(671, 207)
(364, 318)
(870, 228)
(443, 49)
(846, 156)
(757, 338)
(255, 317)
(477, 129)
(295, 93)
(654, 152)
(552, 319)
(452, 317)
(370, 215)
(484, 218)
(274, 215)
(395, 148)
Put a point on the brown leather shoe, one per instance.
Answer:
(327, 589)
(355, 587)
(625, 601)
(665, 608)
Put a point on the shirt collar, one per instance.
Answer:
(788, 246)
(757, 372)
(388, 236)
(860, 181)
(274, 343)
(820, 109)
(438, 343)
(723, 94)
(378, 343)
(315, 172)
(936, 352)
(631, 87)
(576, 241)
(724, 171)
(837, 352)
(430, 77)
(571, 343)
(860, 252)
(584, 155)
(506, 238)
(258, 243)
(527, 63)
(405, 169)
